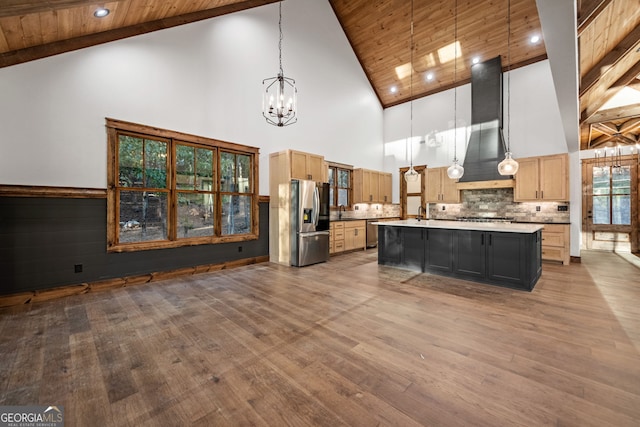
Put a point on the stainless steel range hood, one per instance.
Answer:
(485, 148)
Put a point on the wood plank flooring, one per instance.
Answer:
(344, 343)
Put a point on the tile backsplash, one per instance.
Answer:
(499, 203)
(475, 203)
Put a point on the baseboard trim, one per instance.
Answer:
(31, 297)
(576, 259)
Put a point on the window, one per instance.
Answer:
(612, 195)
(339, 185)
(168, 189)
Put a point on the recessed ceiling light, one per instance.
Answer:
(475, 60)
(534, 39)
(429, 76)
(394, 89)
(101, 12)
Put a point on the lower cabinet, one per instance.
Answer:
(347, 236)
(498, 258)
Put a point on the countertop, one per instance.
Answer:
(462, 225)
(362, 219)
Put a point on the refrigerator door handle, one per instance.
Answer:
(316, 206)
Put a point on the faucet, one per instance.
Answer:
(340, 209)
(421, 209)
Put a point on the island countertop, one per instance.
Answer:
(463, 225)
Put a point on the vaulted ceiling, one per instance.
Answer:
(380, 34)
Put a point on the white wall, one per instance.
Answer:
(536, 128)
(203, 78)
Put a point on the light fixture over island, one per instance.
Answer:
(502, 254)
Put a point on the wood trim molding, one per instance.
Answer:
(120, 282)
(59, 192)
(264, 199)
(482, 185)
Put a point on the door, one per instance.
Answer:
(412, 193)
(433, 185)
(527, 180)
(470, 254)
(610, 196)
(413, 248)
(439, 249)
(553, 178)
(502, 249)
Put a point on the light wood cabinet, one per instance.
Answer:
(355, 235)
(347, 236)
(439, 188)
(370, 186)
(556, 243)
(543, 178)
(336, 237)
(307, 166)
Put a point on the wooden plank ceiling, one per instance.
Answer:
(379, 32)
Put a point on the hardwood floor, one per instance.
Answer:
(342, 343)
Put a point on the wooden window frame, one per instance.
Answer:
(336, 167)
(174, 138)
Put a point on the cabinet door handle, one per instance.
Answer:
(536, 194)
(482, 240)
(542, 194)
(309, 176)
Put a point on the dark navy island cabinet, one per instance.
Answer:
(509, 259)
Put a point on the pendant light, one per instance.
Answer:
(277, 89)
(508, 166)
(411, 175)
(455, 171)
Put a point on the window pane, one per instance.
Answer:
(195, 215)
(343, 197)
(244, 173)
(621, 180)
(331, 171)
(621, 210)
(236, 214)
(130, 161)
(343, 178)
(227, 172)
(155, 168)
(143, 216)
(601, 180)
(204, 169)
(331, 195)
(185, 170)
(601, 210)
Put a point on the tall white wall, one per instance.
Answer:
(203, 78)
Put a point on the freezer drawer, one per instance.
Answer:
(312, 248)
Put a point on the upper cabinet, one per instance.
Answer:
(306, 166)
(544, 178)
(440, 188)
(370, 186)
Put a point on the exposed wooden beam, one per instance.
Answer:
(625, 79)
(43, 51)
(25, 7)
(614, 114)
(630, 125)
(590, 15)
(627, 46)
(607, 128)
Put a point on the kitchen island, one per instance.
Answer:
(502, 254)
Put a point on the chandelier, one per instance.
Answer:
(275, 109)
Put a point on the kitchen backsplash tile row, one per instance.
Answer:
(499, 203)
(475, 203)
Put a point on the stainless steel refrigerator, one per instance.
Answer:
(309, 222)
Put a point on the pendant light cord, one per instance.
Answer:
(411, 88)
(509, 75)
(455, 88)
(280, 40)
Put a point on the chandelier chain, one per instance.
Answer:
(509, 75)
